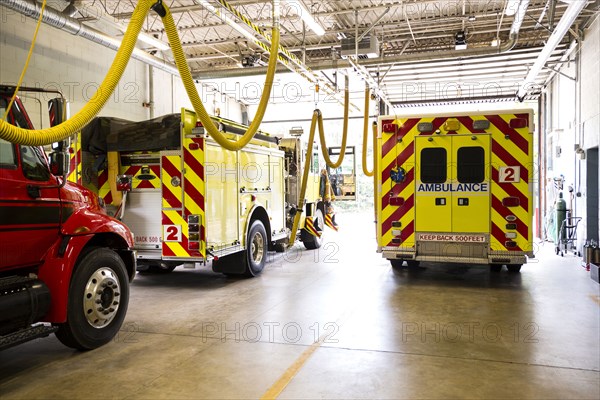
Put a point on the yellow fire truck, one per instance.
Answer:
(456, 188)
(188, 200)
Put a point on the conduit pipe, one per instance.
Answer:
(62, 21)
(570, 15)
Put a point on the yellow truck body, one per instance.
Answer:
(456, 187)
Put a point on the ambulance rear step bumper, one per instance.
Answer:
(492, 259)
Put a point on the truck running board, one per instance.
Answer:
(25, 335)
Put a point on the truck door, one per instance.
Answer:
(471, 183)
(433, 182)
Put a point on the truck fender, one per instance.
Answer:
(257, 212)
(85, 222)
(56, 273)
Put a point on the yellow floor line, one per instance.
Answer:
(275, 390)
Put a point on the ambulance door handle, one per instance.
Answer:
(440, 201)
(463, 201)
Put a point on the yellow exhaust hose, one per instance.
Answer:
(74, 124)
(190, 88)
(365, 136)
(324, 150)
(311, 136)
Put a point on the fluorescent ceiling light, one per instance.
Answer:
(306, 16)
(152, 41)
(227, 20)
(511, 7)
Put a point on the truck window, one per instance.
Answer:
(34, 164)
(470, 164)
(8, 158)
(433, 165)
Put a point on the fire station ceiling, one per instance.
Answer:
(412, 49)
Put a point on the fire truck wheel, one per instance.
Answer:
(514, 268)
(312, 242)
(495, 267)
(256, 249)
(98, 299)
(156, 268)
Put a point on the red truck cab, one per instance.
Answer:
(65, 265)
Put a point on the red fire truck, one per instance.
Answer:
(65, 265)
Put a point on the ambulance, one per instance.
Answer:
(455, 188)
(190, 201)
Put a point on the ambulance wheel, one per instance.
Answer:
(514, 268)
(413, 263)
(256, 249)
(312, 242)
(397, 264)
(495, 267)
(98, 299)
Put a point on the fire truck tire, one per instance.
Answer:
(256, 249)
(311, 242)
(495, 267)
(514, 268)
(98, 299)
(156, 268)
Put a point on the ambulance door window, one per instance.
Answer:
(433, 165)
(470, 164)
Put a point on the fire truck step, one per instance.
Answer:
(25, 335)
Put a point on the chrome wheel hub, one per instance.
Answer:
(101, 297)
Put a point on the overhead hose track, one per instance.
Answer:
(366, 135)
(74, 124)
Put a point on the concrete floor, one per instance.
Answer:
(337, 323)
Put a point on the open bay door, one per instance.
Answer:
(343, 178)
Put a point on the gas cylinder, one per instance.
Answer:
(561, 215)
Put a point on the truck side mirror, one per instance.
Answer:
(59, 163)
(57, 113)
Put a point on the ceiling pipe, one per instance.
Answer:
(513, 37)
(555, 38)
(63, 22)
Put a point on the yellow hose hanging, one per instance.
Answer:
(33, 40)
(62, 131)
(311, 137)
(365, 135)
(324, 150)
(190, 87)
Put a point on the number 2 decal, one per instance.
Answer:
(172, 233)
(509, 174)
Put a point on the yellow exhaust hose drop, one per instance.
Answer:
(74, 124)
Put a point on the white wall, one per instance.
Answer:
(575, 119)
(76, 67)
(71, 64)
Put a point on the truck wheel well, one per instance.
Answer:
(261, 214)
(114, 242)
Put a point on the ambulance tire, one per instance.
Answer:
(256, 249)
(413, 263)
(99, 276)
(514, 268)
(397, 264)
(495, 267)
(311, 242)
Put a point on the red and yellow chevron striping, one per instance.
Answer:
(310, 227)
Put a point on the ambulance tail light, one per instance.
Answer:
(396, 201)
(388, 126)
(511, 235)
(510, 244)
(517, 123)
(511, 201)
(193, 245)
